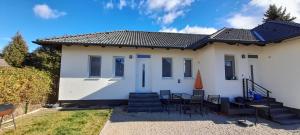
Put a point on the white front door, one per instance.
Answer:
(143, 73)
(254, 68)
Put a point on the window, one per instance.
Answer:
(119, 66)
(95, 66)
(187, 68)
(166, 67)
(229, 67)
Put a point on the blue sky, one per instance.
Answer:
(47, 18)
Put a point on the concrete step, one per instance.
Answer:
(278, 110)
(284, 115)
(272, 104)
(142, 104)
(276, 105)
(143, 95)
(145, 109)
(143, 99)
(265, 100)
(290, 121)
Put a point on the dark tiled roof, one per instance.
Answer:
(234, 35)
(271, 31)
(276, 31)
(129, 39)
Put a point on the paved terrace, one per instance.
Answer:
(123, 123)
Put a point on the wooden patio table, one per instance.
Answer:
(184, 97)
(258, 107)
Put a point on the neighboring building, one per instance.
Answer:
(110, 65)
(3, 63)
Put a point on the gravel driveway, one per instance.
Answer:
(123, 123)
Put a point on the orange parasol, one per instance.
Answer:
(198, 82)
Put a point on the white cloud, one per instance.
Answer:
(252, 13)
(191, 30)
(168, 5)
(170, 17)
(109, 5)
(163, 11)
(122, 4)
(45, 12)
(166, 11)
(241, 21)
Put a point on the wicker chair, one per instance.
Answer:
(165, 98)
(213, 102)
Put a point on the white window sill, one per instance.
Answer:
(167, 78)
(91, 79)
(97, 77)
(188, 78)
(118, 77)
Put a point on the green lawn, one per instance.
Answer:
(52, 122)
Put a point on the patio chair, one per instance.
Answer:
(195, 104)
(198, 93)
(177, 101)
(213, 102)
(165, 98)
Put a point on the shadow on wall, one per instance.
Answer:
(113, 88)
(95, 88)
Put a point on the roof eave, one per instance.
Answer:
(47, 43)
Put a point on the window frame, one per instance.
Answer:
(90, 66)
(163, 70)
(114, 66)
(188, 77)
(234, 70)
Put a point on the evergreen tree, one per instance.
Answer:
(275, 13)
(47, 59)
(16, 51)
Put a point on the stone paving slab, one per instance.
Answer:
(123, 123)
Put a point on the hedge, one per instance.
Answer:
(19, 85)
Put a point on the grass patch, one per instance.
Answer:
(79, 122)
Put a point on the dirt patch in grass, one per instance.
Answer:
(87, 122)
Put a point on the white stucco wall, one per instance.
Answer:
(75, 83)
(207, 66)
(280, 69)
(232, 88)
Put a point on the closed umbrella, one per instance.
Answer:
(198, 82)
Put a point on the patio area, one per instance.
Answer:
(162, 123)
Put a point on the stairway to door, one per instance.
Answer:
(144, 102)
(277, 112)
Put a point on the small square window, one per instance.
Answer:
(95, 66)
(119, 63)
(166, 67)
(187, 68)
(229, 67)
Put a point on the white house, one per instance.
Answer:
(109, 65)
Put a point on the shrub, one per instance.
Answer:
(19, 85)
(47, 58)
